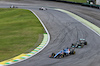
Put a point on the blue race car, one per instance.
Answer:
(63, 53)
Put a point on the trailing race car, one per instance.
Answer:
(42, 8)
(63, 53)
(79, 44)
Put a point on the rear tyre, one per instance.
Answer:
(62, 55)
(73, 52)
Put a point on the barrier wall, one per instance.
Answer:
(98, 2)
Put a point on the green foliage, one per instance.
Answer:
(78, 1)
(19, 31)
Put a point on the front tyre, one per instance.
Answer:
(52, 55)
(62, 55)
(85, 43)
(73, 52)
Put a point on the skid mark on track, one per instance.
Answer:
(88, 24)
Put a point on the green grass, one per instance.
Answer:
(78, 1)
(19, 32)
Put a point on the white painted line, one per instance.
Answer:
(44, 28)
(1, 65)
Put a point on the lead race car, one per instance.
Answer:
(42, 8)
(63, 53)
(79, 44)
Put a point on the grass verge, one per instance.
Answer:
(78, 1)
(19, 32)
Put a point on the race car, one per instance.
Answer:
(63, 53)
(12, 6)
(42, 8)
(83, 41)
(79, 44)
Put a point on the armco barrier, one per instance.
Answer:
(25, 56)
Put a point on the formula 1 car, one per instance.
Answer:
(83, 41)
(42, 8)
(12, 6)
(63, 53)
(79, 44)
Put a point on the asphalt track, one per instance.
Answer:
(64, 31)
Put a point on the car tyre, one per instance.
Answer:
(85, 43)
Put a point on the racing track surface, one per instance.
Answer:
(64, 31)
